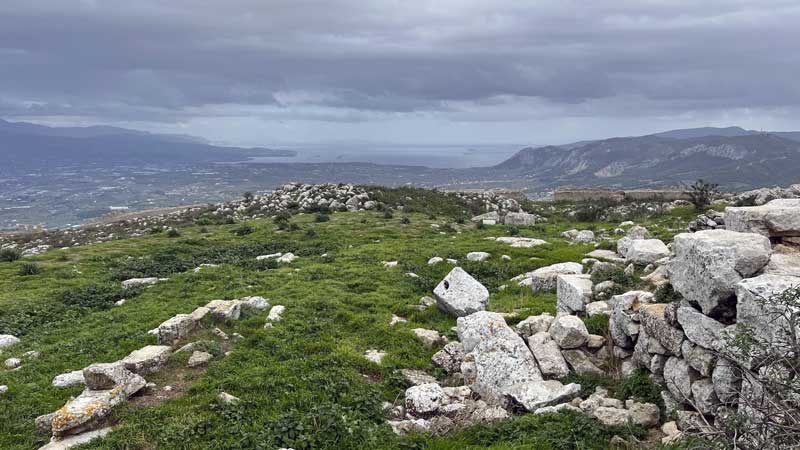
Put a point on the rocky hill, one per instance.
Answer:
(736, 162)
(339, 317)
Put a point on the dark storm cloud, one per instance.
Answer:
(351, 60)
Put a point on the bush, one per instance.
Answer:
(641, 388)
(28, 268)
(667, 294)
(388, 214)
(242, 230)
(613, 273)
(321, 217)
(405, 221)
(97, 295)
(702, 193)
(173, 233)
(9, 255)
(597, 325)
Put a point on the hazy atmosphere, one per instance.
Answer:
(265, 73)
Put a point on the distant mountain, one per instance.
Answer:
(24, 145)
(739, 161)
(689, 133)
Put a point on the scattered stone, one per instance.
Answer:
(598, 308)
(478, 256)
(68, 379)
(199, 358)
(417, 377)
(225, 310)
(74, 441)
(375, 356)
(435, 260)
(460, 295)
(139, 282)
(569, 332)
(612, 416)
(275, 313)
(227, 399)
(257, 303)
(175, 329)
(13, 363)
(287, 258)
(7, 340)
(396, 319)
(429, 338)
(520, 242)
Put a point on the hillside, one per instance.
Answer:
(319, 332)
(304, 382)
(736, 162)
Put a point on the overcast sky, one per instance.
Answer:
(269, 72)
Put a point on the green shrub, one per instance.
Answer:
(388, 214)
(607, 245)
(641, 388)
(613, 273)
(701, 193)
(667, 294)
(597, 324)
(242, 230)
(590, 382)
(29, 268)
(9, 255)
(405, 221)
(97, 295)
(173, 233)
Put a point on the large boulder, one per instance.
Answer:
(519, 218)
(171, 331)
(460, 295)
(545, 278)
(539, 394)
(424, 399)
(766, 319)
(778, 218)
(548, 355)
(573, 292)
(786, 264)
(708, 264)
(646, 251)
(148, 359)
(225, 310)
(535, 324)
(496, 359)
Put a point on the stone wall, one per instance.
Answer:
(595, 194)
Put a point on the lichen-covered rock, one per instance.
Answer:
(450, 357)
(573, 292)
(139, 282)
(778, 218)
(612, 417)
(646, 251)
(225, 310)
(148, 359)
(727, 381)
(199, 358)
(519, 218)
(171, 331)
(478, 256)
(533, 395)
(424, 399)
(460, 295)
(708, 264)
(644, 414)
(548, 355)
(429, 338)
(655, 319)
(699, 328)
(7, 340)
(679, 376)
(255, 302)
(705, 399)
(535, 324)
(581, 363)
(569, 332)
(68, 379)
(699, 358)
(624, 322)
(496, 357)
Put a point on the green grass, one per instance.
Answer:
(304, 383)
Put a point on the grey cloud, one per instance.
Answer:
(175, 60)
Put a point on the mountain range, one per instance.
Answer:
(26, 145)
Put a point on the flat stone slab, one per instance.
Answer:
(459, 294)
(778, 218)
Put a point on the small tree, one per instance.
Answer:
(248, 197)
(766, 362)
(701, 193)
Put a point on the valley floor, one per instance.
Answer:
(304, 383)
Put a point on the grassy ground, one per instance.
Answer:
(304, 383)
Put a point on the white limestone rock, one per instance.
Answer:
(548, 355)
(459, 294)
(545, 278)
(778, 218)
(569, 332)
(573, 292)
(708, 264)
(646, 251)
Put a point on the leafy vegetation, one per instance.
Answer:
(9, 255)
(702, 193)
(304, 383)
